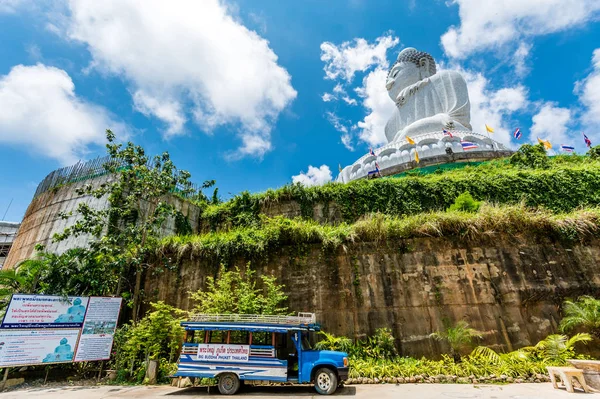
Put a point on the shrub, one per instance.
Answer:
(531, 156)
(381, 345)
(584, 313)
(333, 343)
(458, 337)
(465, 203)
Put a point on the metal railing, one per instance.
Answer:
(302, 318)
(88, 170)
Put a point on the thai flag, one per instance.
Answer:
(447, 133)
(567, 148)
(467, 145)
(588, 142)
(517, 134)
(371, 152)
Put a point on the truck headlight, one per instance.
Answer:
(345, 362)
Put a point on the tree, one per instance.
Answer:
(594, 152)
(126, 232)
(458, 337)
(10, 281)
(585, 313)
(236, 292)
(158, 335)
(531, 156)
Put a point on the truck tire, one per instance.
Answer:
(326, 381)
(229, 383)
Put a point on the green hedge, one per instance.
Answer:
(570, 182)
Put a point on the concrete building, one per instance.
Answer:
(8, 233)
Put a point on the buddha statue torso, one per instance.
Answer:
(426, 101)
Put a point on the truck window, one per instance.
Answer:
(262, 338)
(217, 337)
(239, 337)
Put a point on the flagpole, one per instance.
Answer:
(490, 137)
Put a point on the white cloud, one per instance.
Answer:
(341, 126)
(345, 60)
(41, 112)
(10, 6)
(339, 92)
(336, 121)
(588, 91)
(187, 57)
(493, 107)
(519, 59)
(486, 24)
(327, 97)
(168, 111)
(341, 64)
(378, 105)
(551, 123)
(347, 141)
(314, 176)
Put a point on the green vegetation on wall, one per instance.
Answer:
(273, 233)
(563, 183)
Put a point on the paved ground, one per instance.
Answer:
(420, 391)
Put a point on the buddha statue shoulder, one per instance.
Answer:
(426, 100)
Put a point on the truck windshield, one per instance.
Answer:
(305, 342)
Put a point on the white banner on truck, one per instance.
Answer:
(223, 353)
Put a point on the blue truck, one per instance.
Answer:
(234, 348)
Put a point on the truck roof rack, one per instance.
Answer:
(302, 318)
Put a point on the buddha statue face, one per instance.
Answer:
(410, 67)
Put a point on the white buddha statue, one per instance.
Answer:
(426, 101)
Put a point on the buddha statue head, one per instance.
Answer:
(411, 67)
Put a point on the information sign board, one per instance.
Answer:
(45, 311)
(39, 329)
(98, 329)
(31, 347)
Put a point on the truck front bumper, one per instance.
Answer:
(342, 373)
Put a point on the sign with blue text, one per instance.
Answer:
(40, 329)
(45, 311)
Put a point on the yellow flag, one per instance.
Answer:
(489, 129)
(416, 156)
(410, 141)
(547, 145)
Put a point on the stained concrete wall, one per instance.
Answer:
(509, 288)
(42, 219)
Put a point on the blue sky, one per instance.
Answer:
(257, 93)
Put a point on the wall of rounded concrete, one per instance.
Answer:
(43, 219)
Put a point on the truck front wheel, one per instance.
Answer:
(326, 381)
(229, 383)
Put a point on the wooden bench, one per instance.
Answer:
(566, 375)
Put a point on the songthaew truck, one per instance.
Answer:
(234, 348)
